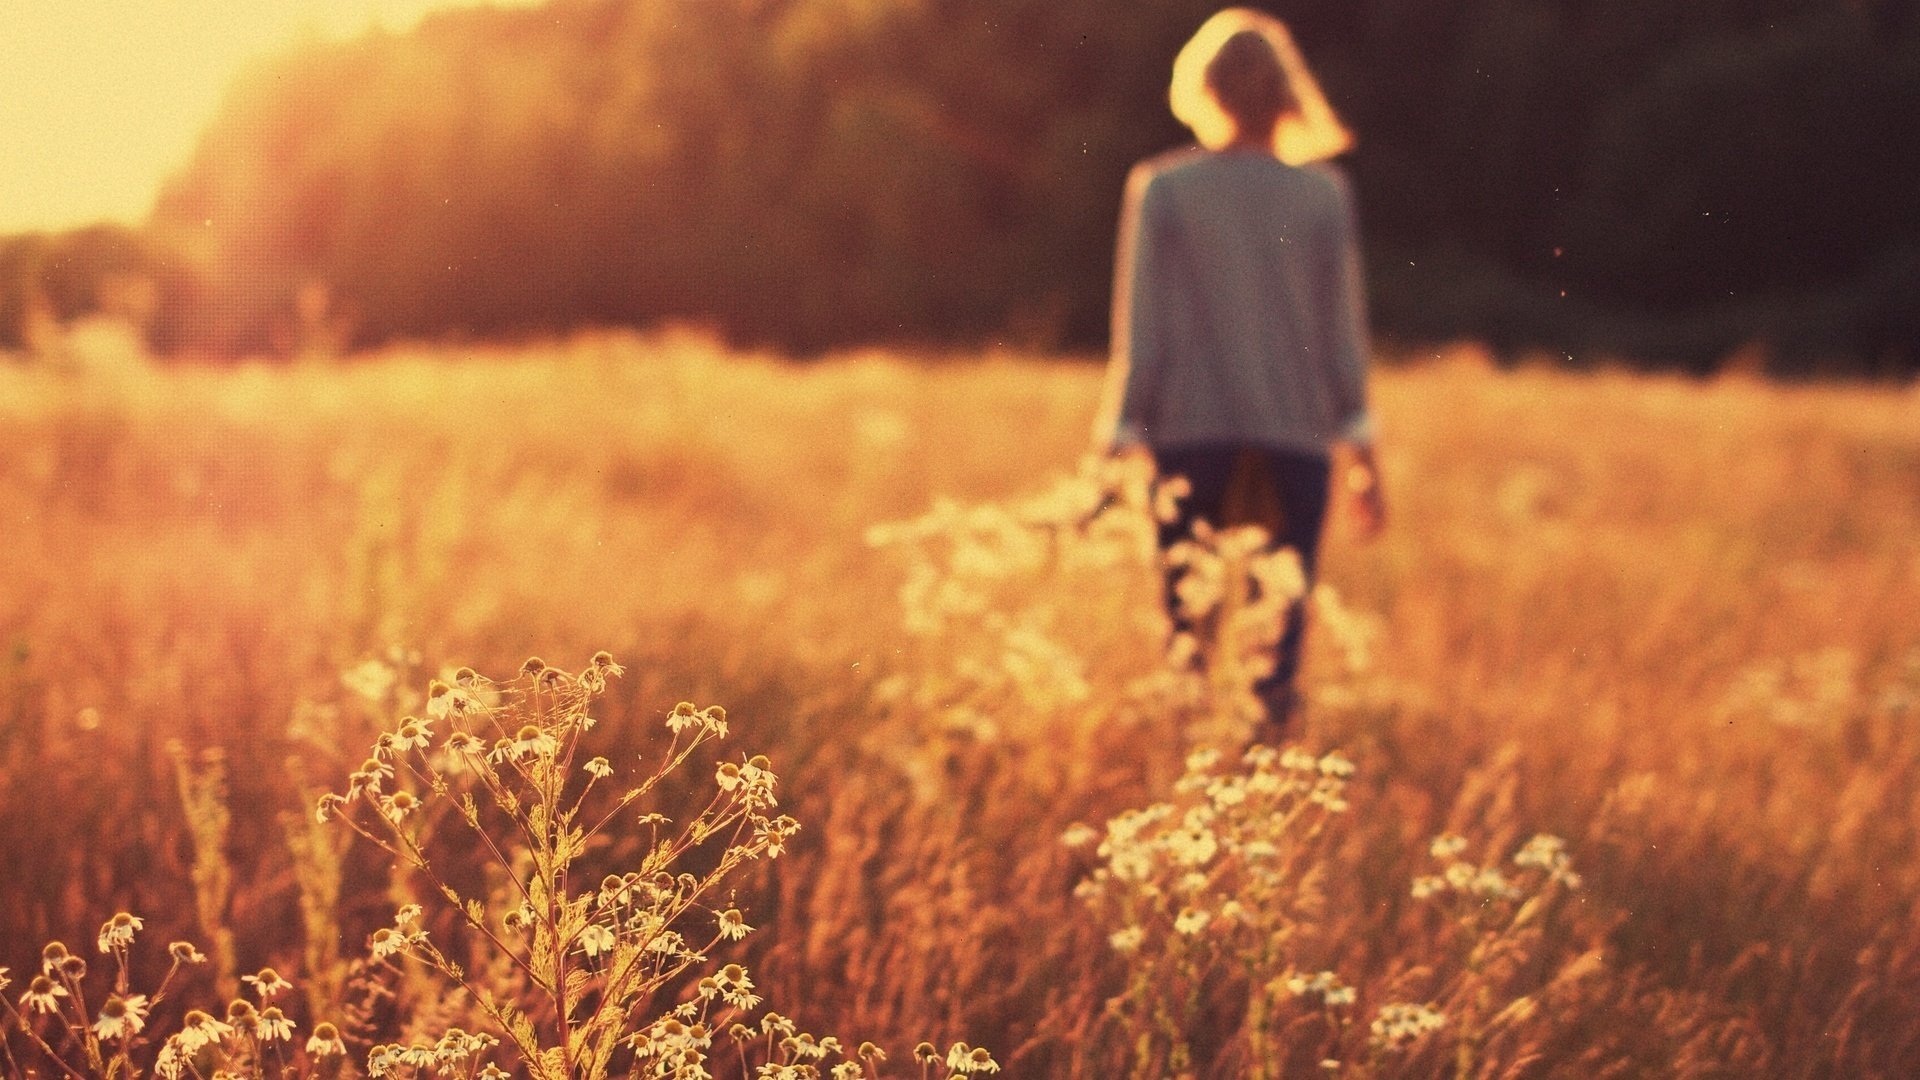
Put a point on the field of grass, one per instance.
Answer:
(1671, 624)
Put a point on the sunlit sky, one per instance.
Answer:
(102, 99)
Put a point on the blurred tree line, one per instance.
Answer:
(1666, 182)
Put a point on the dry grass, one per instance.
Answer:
(1669, 622)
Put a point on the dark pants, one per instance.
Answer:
(1294, 513)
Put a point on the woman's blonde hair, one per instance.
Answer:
(1307, 129)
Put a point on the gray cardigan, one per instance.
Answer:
(1238, 312)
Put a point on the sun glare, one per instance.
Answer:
(99, 101)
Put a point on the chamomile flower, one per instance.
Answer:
(598, 768)
(414, 733)
(444, 701)
(397, 806)
(121, 1017)
(1079, 835)
(266, 983)
(201, 1029)
(118, 931)
(43, 995)
(733, 925)
(596, 939)
(530, 741)
(1397, 1025)
(272, 1025)
(326, 1041)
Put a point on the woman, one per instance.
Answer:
(1238, 317)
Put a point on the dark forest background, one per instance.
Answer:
(1665, 182)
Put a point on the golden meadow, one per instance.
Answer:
(1609, 767)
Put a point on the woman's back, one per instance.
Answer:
(1238, 310)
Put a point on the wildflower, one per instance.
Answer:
(1294, 759)
(530, 740)
(1447, 845)
(273, 1025)
(329, 805)
(1191, 921)
(169, 1066)
(200, 1029)
(73, 968)
(1078, 835)
(847, 1070)
(241, 1013)
(121, 1016)
(596, 939)
(1428, 885)
(4, 981)
(52, 956)
(1225, 793)
(414, 733)
(118, 931)
(738, 991)
(452, 1047)
(603, 663)
(43, 995)
(406, 913)
(775, 834)
(1324, 985)
(368, 777)
(386, 942)
(962, 1058)
(183, 952)
(397, 806)
(493, 1072)
(1127, 940)
(418, 1056)
(598, 768)
(462, 743)
(727, 776)
(1203, 760)
(1192, 848)
(733, 925)
(757, 782)
(683, 716)
(325, 1041)
(444, 700)
(615, 891)
(1549, 853)
(1493, 885)
(1398, 1024)
(267, 983)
